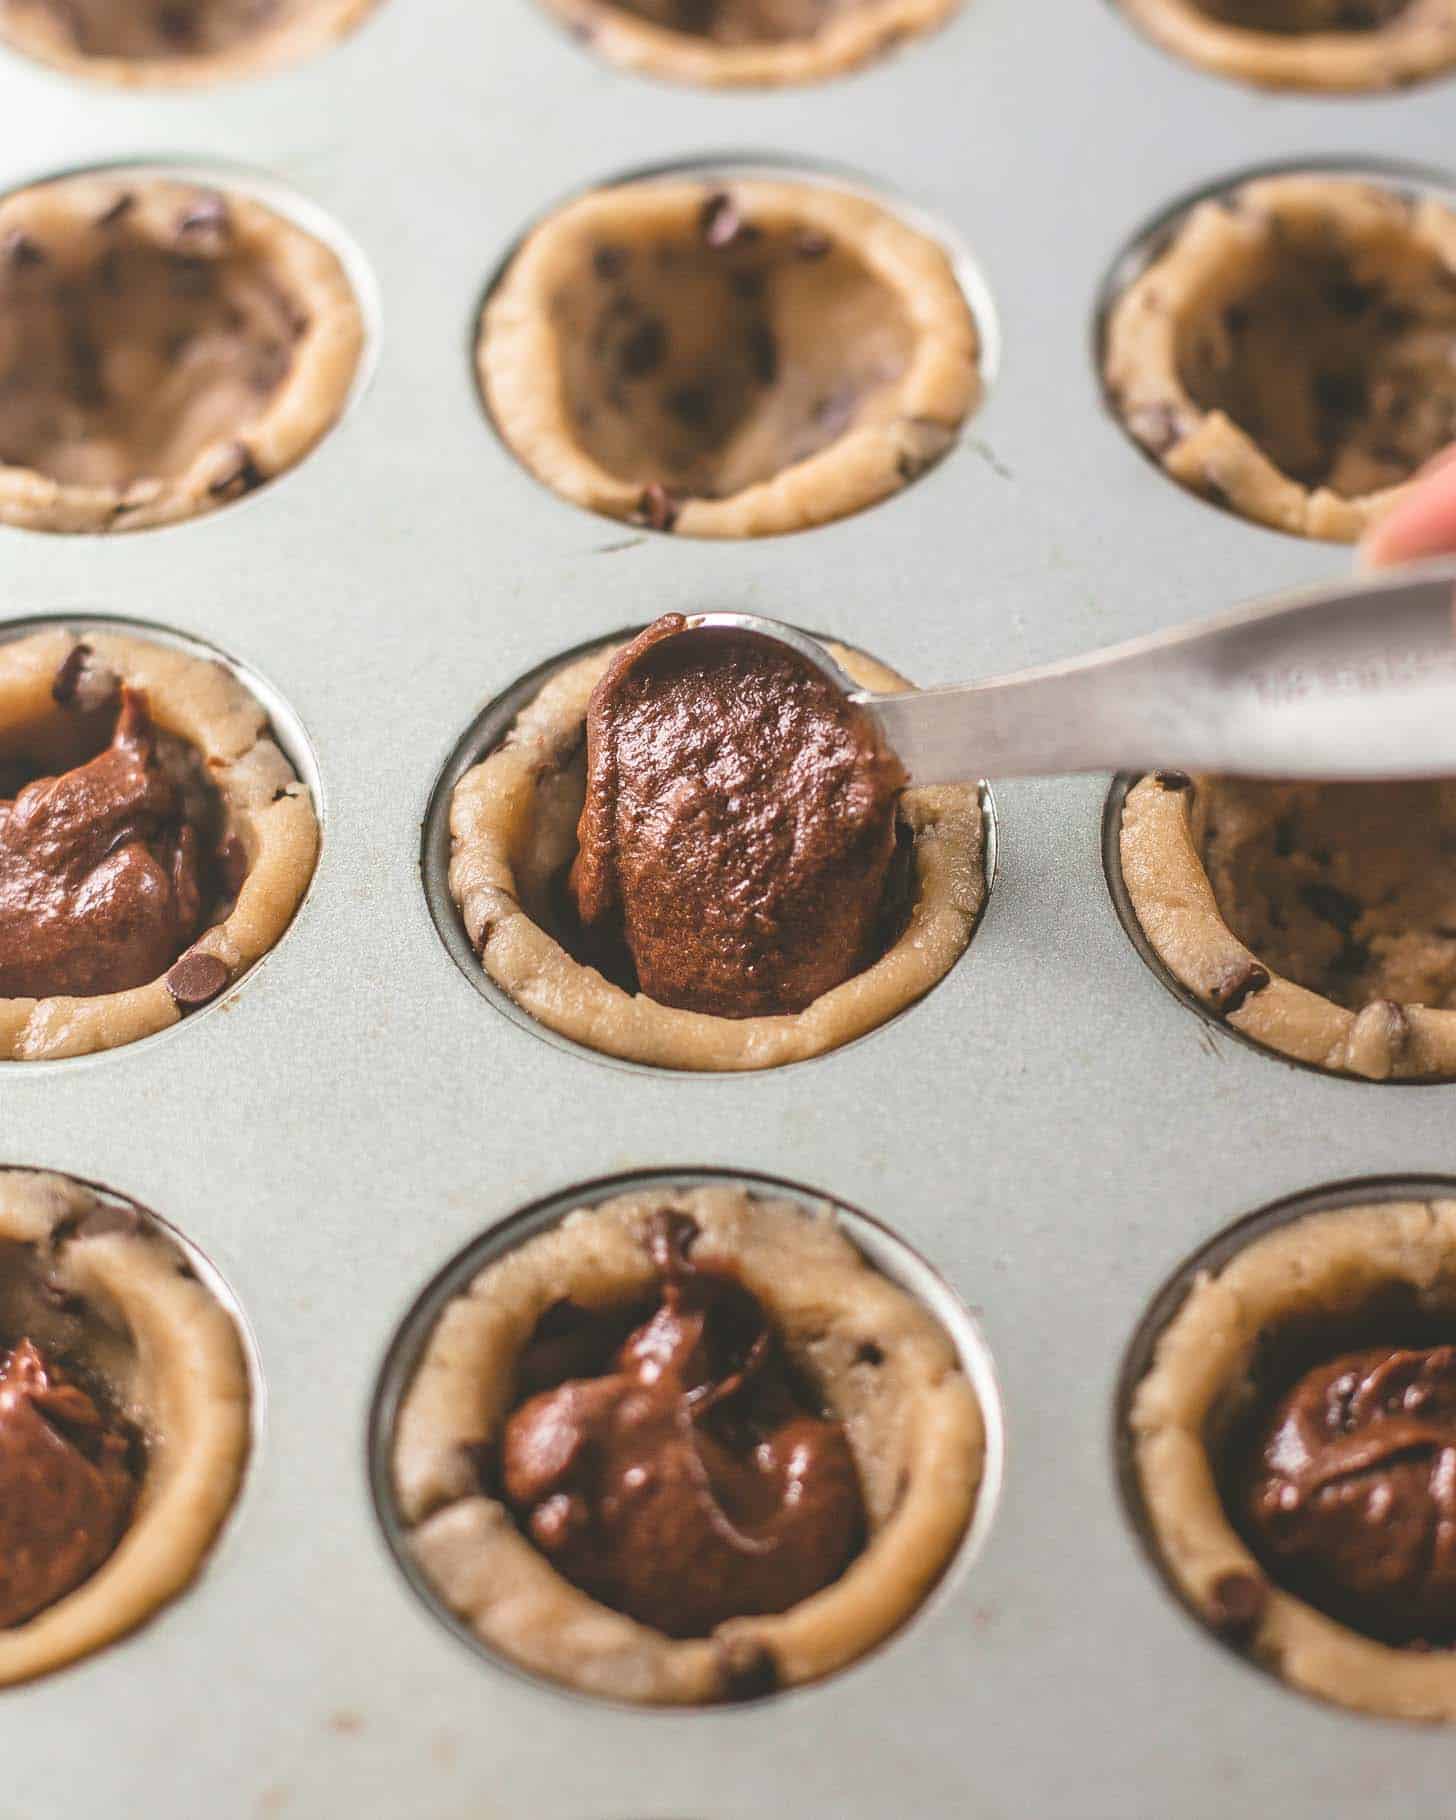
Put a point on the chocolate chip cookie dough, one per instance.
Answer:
(163, 349)
(814, 919)
(686, 1446)
(1293, 1441)
(174, 42)
(154, 841)
(124, 1420)
(1326, 45)
(722, 43)
(1291, 355)
(728, 362)
(1318, 919)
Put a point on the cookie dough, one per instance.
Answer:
(1318, 919)
(728, 362)
(134, 892)
(513, 826)
(762, 884)
(885, 1372)
(1291, 355)
(174, 42)
(724, 43)
(1329, 45)
(163, 349)
(1303, 1291)
(124, 1420)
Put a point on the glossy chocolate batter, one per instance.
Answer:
(66, 1491)
(103, 869)
(739, 827)
(680, 1474)
(1296, 17)
(1351, 1493)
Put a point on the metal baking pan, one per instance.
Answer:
(1050, 1128)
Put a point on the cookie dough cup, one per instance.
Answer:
(1350, 887)
(739, 43)
(267, 818)
(106, 1292)
(728, 361)
(164, 349)
(513, 823)
(1325, 1273)
(1291, 354)
(1325, 45)
(174, 43)
(881, 1364)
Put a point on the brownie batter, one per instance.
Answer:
(103, 869)
(1347, 889)
(155, 30)
(1351, 1491)
(680, 1475)
(122, 360)
(739, 826)
(731, 22)
(66, 1491)
(1298, 16)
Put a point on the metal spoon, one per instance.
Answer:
(1352, 681)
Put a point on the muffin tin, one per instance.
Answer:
(1049, 1128)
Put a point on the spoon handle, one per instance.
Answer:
(1351, 681)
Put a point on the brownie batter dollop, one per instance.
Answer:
(101, 870)
(739, 826)
(1352, 1491)
(1299, 16)
(682, 1477)
(66, 1491)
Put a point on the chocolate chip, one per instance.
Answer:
(239, 474)
(644, 349)
(656, 508)
(205, 219)
(763, 351)
(196, 978)
(232, 865)
(1173, 780)
(809, 244)
(1237, 983)
(68, 676)
(747, 1669)
(122, 207)
(868, 1353)
(1236, 1602)
(609, 262)
(720, 221)
(22, 252)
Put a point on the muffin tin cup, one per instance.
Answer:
(1048, 1128)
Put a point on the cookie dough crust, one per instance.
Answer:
(171, 1359)
(118, 42)
(513, 822)
(1324, 1265)
(1349, 271)
(263, 803)
(1161, 845)
(242, 340)
(868, 369)
(752, 43)
(1415, 41)
(912, 1419)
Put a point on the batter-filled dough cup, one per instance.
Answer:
(1317, 919)
(110, 1299)
(728, 43)
(1298, 1291)
(1321, 45)
(513, 837)
(873, 1357)
(1290, 353)
(58, 706)
(164, 349)
(728, 360)
(174, 43)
